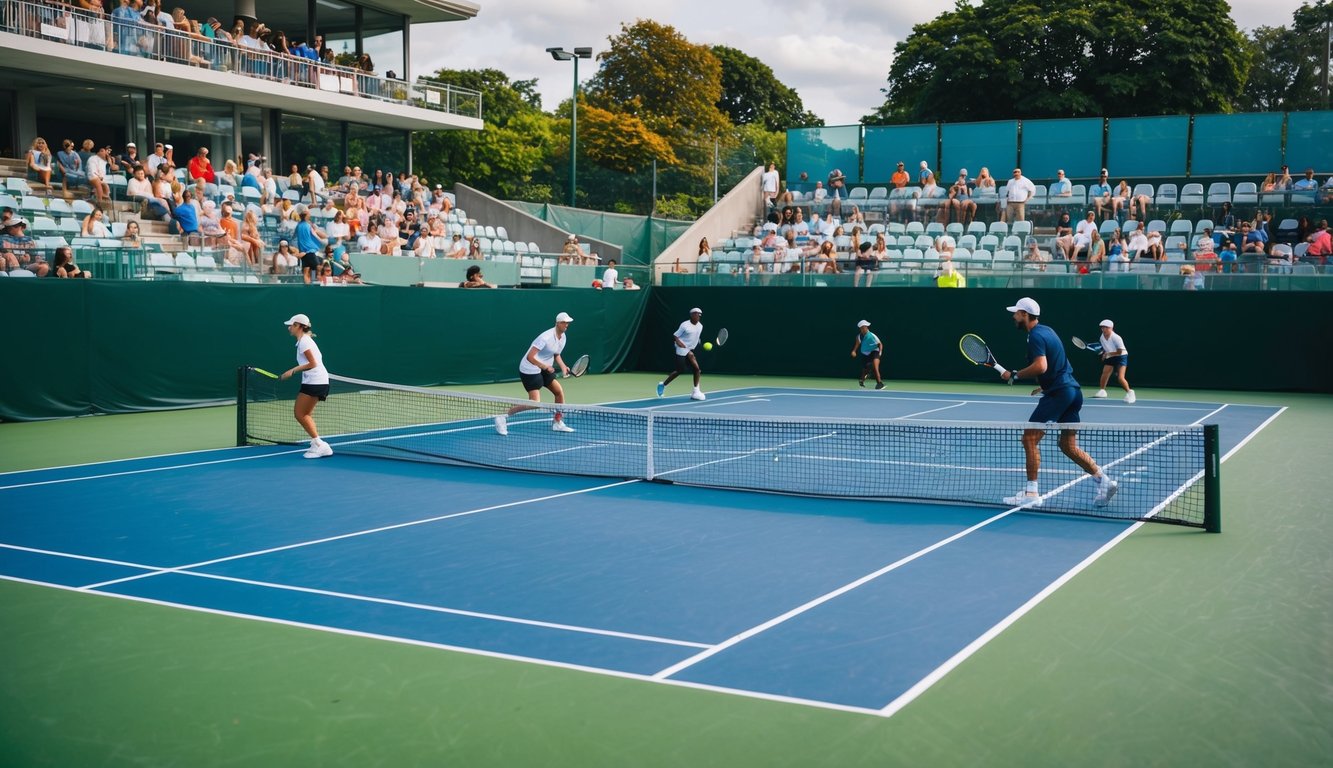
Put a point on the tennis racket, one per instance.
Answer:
(579, 367)
(975, 350)
(263, 372)
(722, 337)
(1095, 347)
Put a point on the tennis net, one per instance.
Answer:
(1165, 473)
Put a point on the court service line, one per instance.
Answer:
(354, 534)
(746, 401)
(72, 556)
(460, 649)
(954, 661)
(451, 611)
(911, 396)
(933, 410)
(148, 470)
(128, 459)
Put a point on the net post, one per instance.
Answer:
(1212, 480)
(649, 469)
(242, 398)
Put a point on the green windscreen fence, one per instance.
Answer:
(1242, 144)
(1147, 146)
(641, 238)
(888, 145)
(817, 151)
(976, 145)
(1072, 145)
(1310, 141)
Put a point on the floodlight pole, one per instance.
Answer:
(560, 54)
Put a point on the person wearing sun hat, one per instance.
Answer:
(1061, 401)
(1115, 357)
(685, 339)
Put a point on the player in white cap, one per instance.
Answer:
(314, 383)
(869, 348)
(1061, 401)
(536, 369)
(686, 338)
(1115, 357)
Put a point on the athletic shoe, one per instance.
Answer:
(1023, 499)
(1105, 491)
(501, 425)
(318, 449)
(698, 395)
(1130, 397)
(661, 389)
(1100, 393)
(559, 425)
(863, 383)
(879, 385)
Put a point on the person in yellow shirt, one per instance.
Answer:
(950, 277)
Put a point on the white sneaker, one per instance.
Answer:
(501, 425)
(697, 395)
(1130, 397)
(1023, 499)
(559, 425)
(1100, 393)
(1105, 491)
(318, 449)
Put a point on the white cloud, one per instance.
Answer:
(836, 55)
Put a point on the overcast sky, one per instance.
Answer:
(835, 54)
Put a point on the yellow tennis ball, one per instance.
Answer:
(708, 346)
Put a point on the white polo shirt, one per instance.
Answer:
(548, 345)
(610, 277)
(1113, 345)
(689, 335)
(317, 375)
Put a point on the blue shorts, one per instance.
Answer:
(1119, 361)
(1060, 406)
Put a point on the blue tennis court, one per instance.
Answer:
(850, 604)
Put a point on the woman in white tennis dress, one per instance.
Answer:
(314, 383)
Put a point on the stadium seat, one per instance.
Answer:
(1004, 259)
(912, 258)
(895, 228)
(1108, 227)
(70, 226)
(1247, 193)
(1021, 228)
(1079, 198)
(19, 185)
(32, 205)
(501, 233)
(924, 242)
(59, 208)
(1166, 195)
(1287, 231)
(981, 258)
(968, 241)
(955, 230)
(1143, 190)
(204, 261)
(977, 228)
(1129, 226)
(1181, 227)
(21, 273)
(1219, 192)
(1191, 194)
(878, 199)
(876, 229)
(1011, 243)
(1156, 225)
(858, 195)
(185, 261)
(989, 243)
(1201, 225)
(998, 228)
(934, 229)
(915, 228)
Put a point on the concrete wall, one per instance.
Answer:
(737, 210)
(522, 226)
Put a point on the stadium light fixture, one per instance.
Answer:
(560, 54)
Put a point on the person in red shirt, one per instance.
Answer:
(201, 168)
(1321, 244)
(900, 178)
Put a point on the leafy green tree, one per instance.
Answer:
(1066, 58)
(1280, 80)
(751, 94)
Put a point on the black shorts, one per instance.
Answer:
(535, 381)
(320, 391)
(685, 363)
(1118, 361)
(310, 261)
(868, 265)
(865, 359)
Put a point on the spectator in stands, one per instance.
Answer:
(769, 184)
(1306, 184)
(900, 178)
(1154, 251)
(1269, 184)
(1283, 180)
(200, 167)
(866, 263)
(238, 250)
(771, 239)
(474, 251)
(1253, 240)
(1100, 196)
(457, 247)
(21, 248)
(129, 159)
(961, 205)
(131, 238)
(819, 195)
(1226, 222)
(985, 183)
(1205, 246)
(63, 264)
(97, 174)
(1321, 245)
(825, 260)
(855, 218)
(1192, 281)
(309, 243)
(1083, 236)
(140, 190)
(1138, 243)
(252, 239)
(157, 159)
(284, 259)
(945, 246)
(950, 277)
(1326, 191)
(39, 161)
(186, 216)
(339, 231)
(1035, 257)
(475, 279)
(94, 225)
(629, 283)
(1096, 251)
(315, 185)
(229, 174)
(1125, 199)
(799, 227)
(1061, 187)
(611, 277)
(837, 190)
(370, 242)
(390, 236)
(1064, 236)
(1117, 257)
(71, 166)
(1018, 193)
(423, 245)
(295, 181)
(1227, 256)
(124, 20)
(573, 253)
(924, 172)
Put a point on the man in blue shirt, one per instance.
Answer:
(1099, 194)
(869, 349)
(187, 216)
(309, 242)
(1061, 186)
(1061, 401)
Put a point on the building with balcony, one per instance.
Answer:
(118, 77)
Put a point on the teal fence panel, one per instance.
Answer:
(1074, 146)
(408, 270)
(888, 145)
(1237, 145)
(975, 146)
(1147, 146)
(817, 151)
(1308, 141)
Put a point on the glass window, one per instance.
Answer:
(188, 123)
(372, 147)
(309, 141)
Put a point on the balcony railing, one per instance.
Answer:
(129, 35)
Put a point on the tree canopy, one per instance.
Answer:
(752, 94)
(1066, 58)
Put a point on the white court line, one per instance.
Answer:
(687, 401)
(746, 401)
(464, 650)
(933, 410)
(339, 537)
(746, 454)
(910, 396)
(131, 458)
(967, 651)
(147, 470)
(72, 556)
